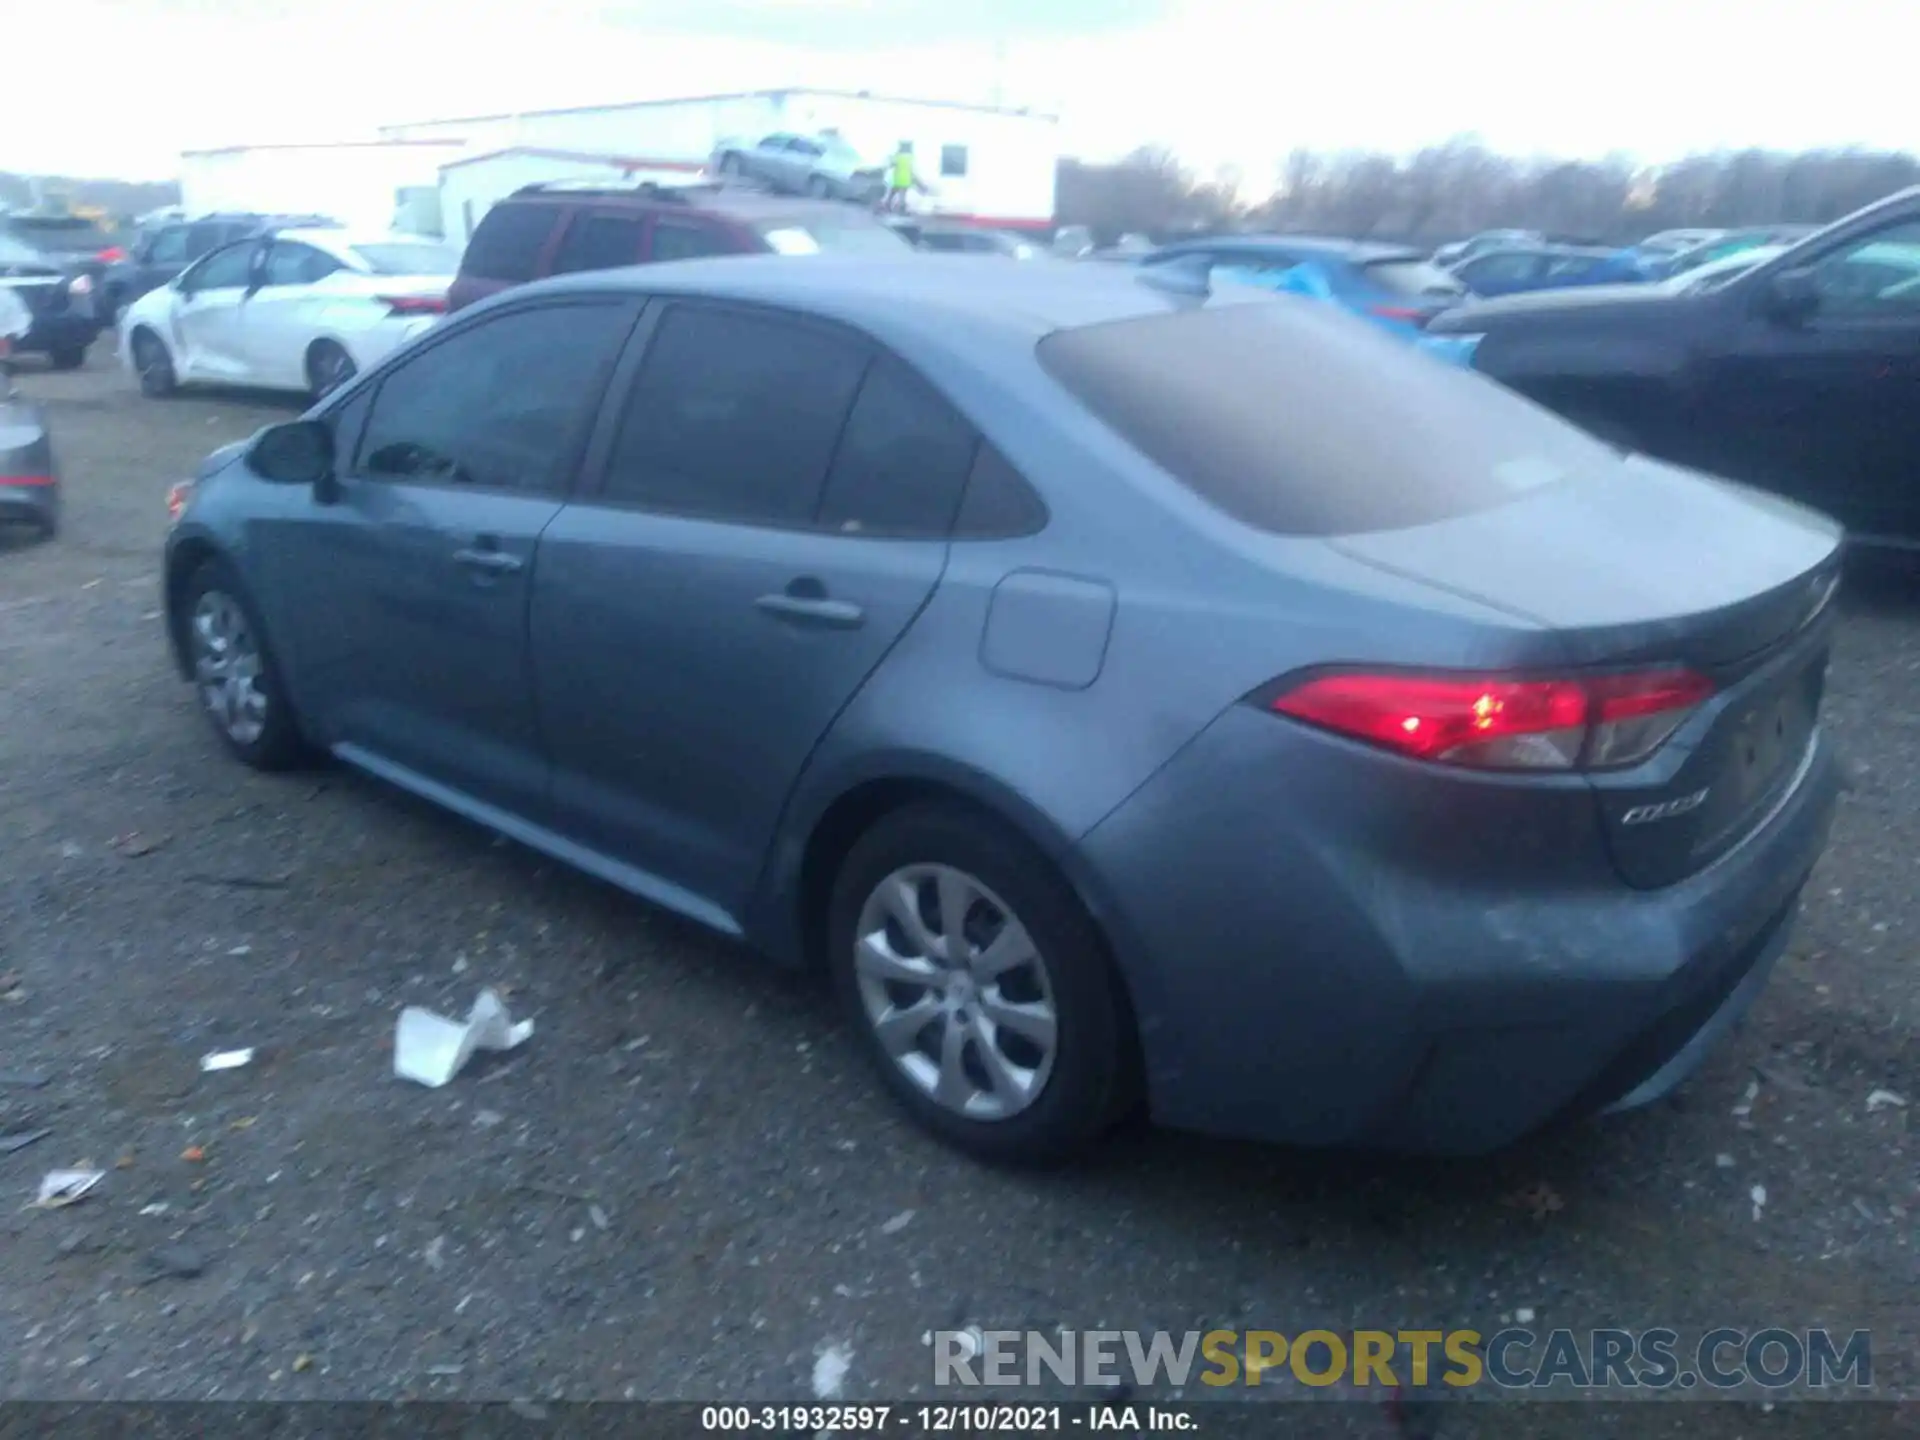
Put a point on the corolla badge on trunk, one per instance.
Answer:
(1666, 809)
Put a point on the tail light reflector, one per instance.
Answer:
(415, 304)
(112, 255)
(1398, 312)
(10, 482)
(1499, 723)
(177, 497)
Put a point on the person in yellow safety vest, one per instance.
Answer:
(900, 177)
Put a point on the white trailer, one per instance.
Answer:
(986, 164)
(372, 184)
(470, 185)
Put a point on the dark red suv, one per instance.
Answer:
(556, 229)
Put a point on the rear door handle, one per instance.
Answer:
(488, 560)
(813, 610)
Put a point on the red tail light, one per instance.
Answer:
(1585, 722)
(1399, 312)
(112, 255)
(415, 304)
(177, 497)
(8, 482)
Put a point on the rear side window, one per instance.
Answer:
(1294, 421)
(903, 460)
(734, 417)
(999, 504)
(1413, 277)
(499, 404)
(508, 243)
(687, 242)
(598, 242)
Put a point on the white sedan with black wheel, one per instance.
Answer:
(300, 310)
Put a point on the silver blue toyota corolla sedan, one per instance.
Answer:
(1127, 692)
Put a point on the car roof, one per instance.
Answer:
(741, 203)
(914, 296)
(1358, 252)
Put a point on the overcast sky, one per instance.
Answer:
(119, 87)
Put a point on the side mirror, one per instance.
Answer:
(1792, 296)
(299, 452)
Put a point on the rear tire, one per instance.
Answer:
(154, 365)
(67, 357)
(1053, 1031)
(236, 678)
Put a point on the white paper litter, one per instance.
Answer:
(897, 1223)
(65, 1187)
(1759, 1197)
(1886, 1100)
(431, 1049)
(830, 1368)
(226, 1060)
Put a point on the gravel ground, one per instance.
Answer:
(685, 1186)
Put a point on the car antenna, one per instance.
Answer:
(1191, 277)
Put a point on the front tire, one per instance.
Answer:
(235, 675)
(979, 986)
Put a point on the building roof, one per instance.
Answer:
(540, 152)
(728, 95)
(324, 145)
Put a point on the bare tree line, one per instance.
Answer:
(1455, 189)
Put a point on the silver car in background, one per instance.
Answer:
(824, 166)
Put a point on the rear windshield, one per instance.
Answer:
(1295, 420)
(406, 257)
(826, 236)
(1413, 277)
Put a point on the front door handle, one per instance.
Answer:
(813, 610)
(488, 561)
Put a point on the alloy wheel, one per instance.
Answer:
(227, 667)
(956, 991)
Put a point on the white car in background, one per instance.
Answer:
(301, 310)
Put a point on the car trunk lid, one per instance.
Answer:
(1634, 565)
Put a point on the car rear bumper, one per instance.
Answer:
(1296, 982)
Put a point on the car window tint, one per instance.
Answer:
(902, 462)
(202, 238)
(291, 264)
(169, 246)
(508, 242)
(734, 416)
(687, 242)
(499, 404)
(1412, 277)
(998, 504)
(1293, 420)
(224, 268)
(598, 242)
(1878, 274)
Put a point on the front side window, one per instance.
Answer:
(734, 417)
(500, 404)
(1877, 275)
